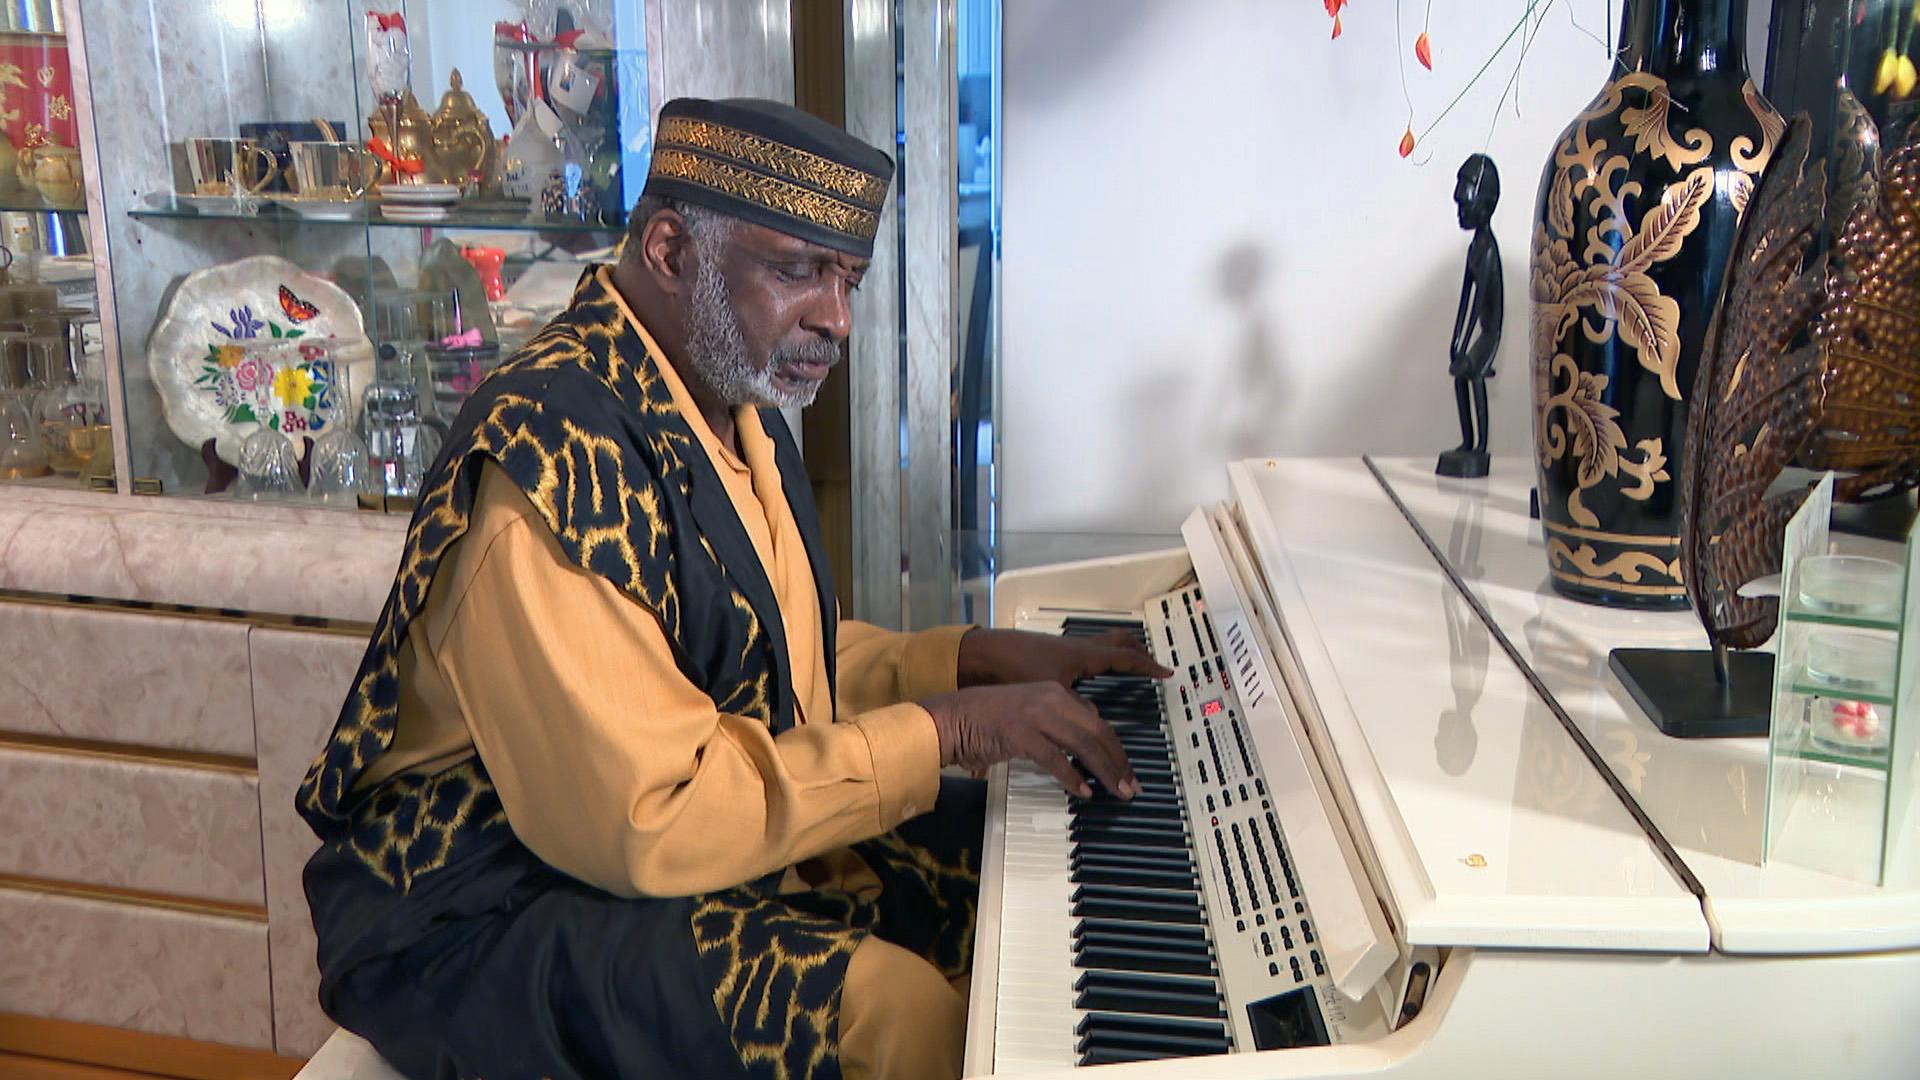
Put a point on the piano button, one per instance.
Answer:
(1228, 796)
(1240, 925)
(1260, 786)
(1260, 920)
(1243, 793)
(1299, 976)
(1286, 937)
(1306, 931)
(1273, 967)
(1196, 739)
(1299, 908)
(1165, 610)
(1210, 805)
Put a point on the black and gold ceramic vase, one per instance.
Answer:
(1634, 226)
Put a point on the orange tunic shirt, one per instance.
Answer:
(612, 766)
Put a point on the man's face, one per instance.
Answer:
(767, 314)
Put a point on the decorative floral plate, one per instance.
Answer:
(211, 389)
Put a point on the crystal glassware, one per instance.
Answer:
(338, 467)
(401, 444)
(269, 469)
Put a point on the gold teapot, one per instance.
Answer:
(412, 144)
(463, 139)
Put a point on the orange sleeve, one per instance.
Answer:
(885, 667)
(615, 768)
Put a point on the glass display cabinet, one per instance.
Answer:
(327, 221)
(53, 414)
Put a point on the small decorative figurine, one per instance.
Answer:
(1476, 329)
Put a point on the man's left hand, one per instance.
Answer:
(988, 657)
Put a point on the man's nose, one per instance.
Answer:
(832, 314)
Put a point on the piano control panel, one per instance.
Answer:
(1261, 919)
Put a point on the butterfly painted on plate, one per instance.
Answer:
(297, 309)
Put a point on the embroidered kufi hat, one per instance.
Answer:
(773, 165)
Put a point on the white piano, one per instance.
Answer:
(1385, 835)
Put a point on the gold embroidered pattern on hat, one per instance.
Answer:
(788, 162)
(770, 192)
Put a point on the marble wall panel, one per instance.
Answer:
(126, 677)
(932, 327)
(144, 969)
(300, 679)
(724, 48)
(874, 349)
(171, 829)
(283, 561)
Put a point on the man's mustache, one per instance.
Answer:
(819, 351)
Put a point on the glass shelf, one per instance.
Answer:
(494, 217)
(20, 202)
(1801, 614)
(1807, 687)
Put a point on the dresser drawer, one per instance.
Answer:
(183, 831)
(182, 973)
(108, 675)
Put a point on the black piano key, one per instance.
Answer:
(1115, 958)
(1126, 934)
(1149, 1002)
(1114, 908)
(1164, 861)
(1128, 1029)
(1114, 809)
(1133, 875)
(1095, 848)
(1172, 994)
(1171, 933)
(1167, 1045)
(1110, 1055)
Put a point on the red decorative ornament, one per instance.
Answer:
(1406, 143)
(1333, 9)
(1423, 51)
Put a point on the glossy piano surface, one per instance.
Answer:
(1490, 825)
(1707, 796)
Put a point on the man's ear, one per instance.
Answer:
(664, 247)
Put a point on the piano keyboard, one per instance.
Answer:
(1172, 925)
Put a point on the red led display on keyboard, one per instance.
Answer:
(1212, 708)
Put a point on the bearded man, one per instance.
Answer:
(615, 792)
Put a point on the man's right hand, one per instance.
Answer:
(1043, 722)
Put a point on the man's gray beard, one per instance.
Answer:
(717, 348)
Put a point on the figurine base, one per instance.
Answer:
(1468, 464)
(1677, 690)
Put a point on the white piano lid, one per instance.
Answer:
(1706, 796)
(1490, 826)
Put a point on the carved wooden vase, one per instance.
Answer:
(1634, 226)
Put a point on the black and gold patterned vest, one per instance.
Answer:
(582, 420)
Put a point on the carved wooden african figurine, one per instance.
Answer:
(1476, 328)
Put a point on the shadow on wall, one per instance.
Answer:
(1396, 392)
(1256, 390)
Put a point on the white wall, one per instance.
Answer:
(1212, 249)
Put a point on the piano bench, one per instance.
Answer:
(346, 1056)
